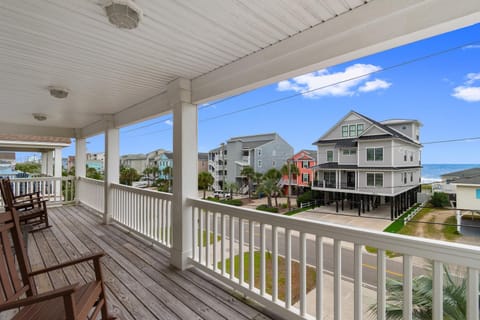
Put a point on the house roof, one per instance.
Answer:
(139, 156)
(461, 174)
(389, 131)
(309, 153)
(203, 156)
(468, 180)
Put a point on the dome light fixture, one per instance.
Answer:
(124, 14)
(58, 92)
(39, 116)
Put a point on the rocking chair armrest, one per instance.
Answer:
(95, 256)
(67, 290)
(29, 201)
(37, 193)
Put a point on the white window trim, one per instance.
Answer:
(333, 158)
(374, 158)
(259, 163)
(374, 180)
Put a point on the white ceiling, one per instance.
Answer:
(70, 43)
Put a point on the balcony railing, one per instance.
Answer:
(145, 212)
(330, 185)
(54, 190)
(91, 193)
(222, 232)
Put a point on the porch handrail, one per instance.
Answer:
(146, 212)
(91, 193)
(57, 190)
(223, 220)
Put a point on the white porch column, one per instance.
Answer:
(112, 166)
(44, 162)
(80, 165)
(80, 157)
(50, 164)
(185, 169)
(57, 172)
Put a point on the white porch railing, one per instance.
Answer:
(55, 190)
(243, 231)
(146, 212)
(91, 193)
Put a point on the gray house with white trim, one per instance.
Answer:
(369, 162)
(262, 152)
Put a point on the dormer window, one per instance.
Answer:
(359, 128)
(352, 130)
(344, 131)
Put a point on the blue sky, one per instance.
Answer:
(442, 91)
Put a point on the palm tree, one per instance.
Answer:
(454, 298)
(128, 175)
(274, 176)
(248, 173)
(205, 180)
(168, 173)
(231, 187)
(289, 169)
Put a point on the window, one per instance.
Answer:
(274, 163)
(375, 179)
(405, 156)
(330, 156)
(330, 179)
(304, 164)
(259, 152)
(405, 178)
(411, 176)
(259, 163)
(352, 130)
(375, 154)
(411, 157)
(359, 129)
(349, 152)
(344, 131)
(245, 153)
(477, 193)
(305, 177)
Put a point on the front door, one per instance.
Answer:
(351, 179)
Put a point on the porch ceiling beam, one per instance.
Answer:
(10, 128)
(373, 27)
(147, 109)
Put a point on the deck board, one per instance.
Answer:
(139, 280)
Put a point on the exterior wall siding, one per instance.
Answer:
(387, 153)
(467, 197)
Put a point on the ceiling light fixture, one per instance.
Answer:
(124, 14)
(58, 92)
(39, 116)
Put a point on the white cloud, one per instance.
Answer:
(472, 46)
(169, 122)
(374, 85)
(472, 77)
(343, 83)
(469, 94)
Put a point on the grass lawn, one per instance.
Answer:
(311, 274)
(204, 236)
(450, 232)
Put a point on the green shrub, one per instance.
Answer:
(232, 202)
(440, 200)
(305, 197)
(284, 205)
(264, 207)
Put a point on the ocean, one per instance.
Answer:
(432, 172)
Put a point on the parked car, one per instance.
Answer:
(219, 194)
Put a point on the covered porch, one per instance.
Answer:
(139, 280)
(180, 56)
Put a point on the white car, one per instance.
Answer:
(221, 194)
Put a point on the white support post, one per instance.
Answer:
(44, 163)
(185, 169)
(112, 166)
(80, 157)
(80, 164)
(57, 173)
(50, 163)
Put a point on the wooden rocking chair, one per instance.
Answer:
(30, 207)
(72, 302)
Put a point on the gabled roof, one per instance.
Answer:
(468, 180)
(389, 132)
(308, 154)
(461, 174)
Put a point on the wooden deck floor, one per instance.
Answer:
(140, 283)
